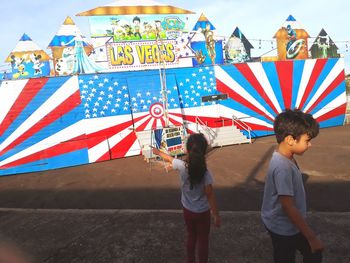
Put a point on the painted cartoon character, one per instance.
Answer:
(137, 22)
(65, 64)
(294, 45)
(158, 28)
(292, 36)
(209, 42)
(18, 63)
(148, 30)
(37, 64)
(323, 45)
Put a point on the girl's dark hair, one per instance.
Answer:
(196, 149)
(295, 123)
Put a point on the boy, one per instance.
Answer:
(284, 206)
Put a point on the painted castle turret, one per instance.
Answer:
(292, 40)
(71, 50)
(28, 60)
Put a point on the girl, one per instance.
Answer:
(197, 195)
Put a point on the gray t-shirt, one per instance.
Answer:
(193, 199)
(283, 178)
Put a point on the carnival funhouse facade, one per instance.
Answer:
(50, 122)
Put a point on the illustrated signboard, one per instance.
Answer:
(136, 35)
(28, 60)
(292, 40)
(71, 51)
(171, 140)
(324, 47)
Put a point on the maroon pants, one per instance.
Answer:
(198, 228)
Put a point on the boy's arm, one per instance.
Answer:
(209, 191)
(297, 219)
(166, 157)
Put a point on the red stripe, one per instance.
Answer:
(338, 80)
(121, 148)
(163, 121)
(30, 90)
(250, 77)
(320, 63)
(285, 76)
(105, 157)
(143, 125)
(209, 121)
(235, 96)
(101, 135)
(56, 150)
(175, 122)
(333, 113)
(257, 127)
(154, 124)
(59, 111)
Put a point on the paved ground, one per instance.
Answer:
(106, 222)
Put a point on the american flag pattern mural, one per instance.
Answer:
(48, 123)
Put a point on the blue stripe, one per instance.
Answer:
(78, 157)
(46, 92)
(336, 121)
(244, 83)
(272, 75)
(232, 104)
(330, 97)
(65, 121)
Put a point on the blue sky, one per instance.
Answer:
(258, 19)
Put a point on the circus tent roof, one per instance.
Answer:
(238, 33)
(26, 45)
(133, 7)
(66, 33)
(323, 34)
(293, 23)
(202, 23)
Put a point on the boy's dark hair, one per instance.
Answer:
(295, 123)
(136, 18)
(196, 148)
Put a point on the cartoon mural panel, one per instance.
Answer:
(292, 40)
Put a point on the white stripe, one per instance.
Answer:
(97, 151)
(176, 118)
(98, 124)
(100, 149)
(135, 149)
(230, 82)
(9, 91)
(25, 46)
(66, 90)
(308, 68)
(336, 70)
(210, 111)
(338, 101)
(260, 75)
(61, 136)
(228, 113)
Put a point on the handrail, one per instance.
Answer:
(243, 125)
(210, 131)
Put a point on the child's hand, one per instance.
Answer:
(316, 244)
(217, 220)
(155, 150)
